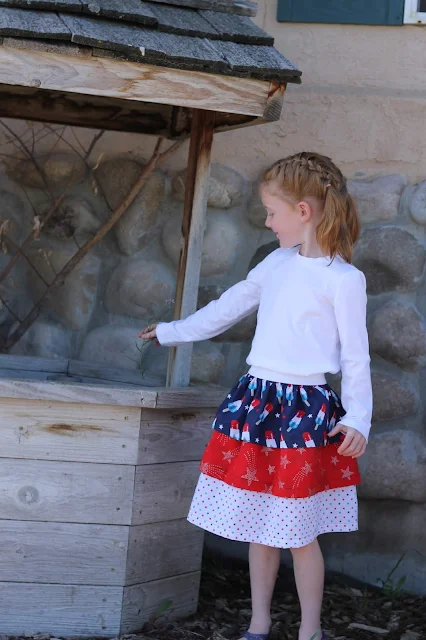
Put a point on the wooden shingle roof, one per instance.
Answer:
(213, 36)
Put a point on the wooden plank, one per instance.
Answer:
(196, 396)
(13, 374)
(133, 11)
(174, 436)
(29, 363)
(129, 376)
(66, 491)
(71, 109)
(132, 81)
(193, 227)
(163, 550)
(237, 28)
(60, 610)
(20, 22)
(62, 553)
(78, 393)
(240, 7)
(142, 601)
(163, 492)
(71, 432)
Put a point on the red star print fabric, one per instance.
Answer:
(273, 438)
(287, 473)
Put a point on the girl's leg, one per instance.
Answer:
(309, 574)
(264, 564)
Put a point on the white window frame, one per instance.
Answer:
(411, 13)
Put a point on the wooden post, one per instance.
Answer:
(193, 226)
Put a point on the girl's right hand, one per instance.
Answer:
(149, 333)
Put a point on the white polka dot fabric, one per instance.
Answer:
(250, 516)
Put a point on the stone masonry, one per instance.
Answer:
(129, 280)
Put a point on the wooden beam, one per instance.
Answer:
(132, 81)
(110, 114)
(193, 226)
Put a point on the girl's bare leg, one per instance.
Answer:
(264, 564)
(309, 574)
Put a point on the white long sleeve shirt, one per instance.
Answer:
(311, 320)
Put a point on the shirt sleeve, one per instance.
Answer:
(219, 315)
(350, 309)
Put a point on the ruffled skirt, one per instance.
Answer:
(270, 473)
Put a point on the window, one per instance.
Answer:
(376, 12)
(415, 12)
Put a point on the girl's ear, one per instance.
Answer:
(305, 210)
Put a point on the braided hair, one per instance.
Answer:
(311, 174)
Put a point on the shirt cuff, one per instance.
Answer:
(355, 423)
(166, 334)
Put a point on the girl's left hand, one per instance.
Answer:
(354, 443)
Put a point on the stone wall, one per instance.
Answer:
(128, 281)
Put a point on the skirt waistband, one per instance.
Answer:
(288, 378)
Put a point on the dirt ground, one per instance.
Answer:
(350, 612)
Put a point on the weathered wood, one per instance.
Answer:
(193, 227)
(63, 553)
(142, 601)
(173, 436)
(93, 370)
(87, 493)
(16, 374)
(195, 397)
(163, 550)
(132, 81)
(163, 491)
(241, 7)
(71, 109)
(120, 395)
(71, 432)
(60, 610)
(78, 393)
(275, 102)
(29, 363)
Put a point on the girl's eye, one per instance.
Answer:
(269, 214)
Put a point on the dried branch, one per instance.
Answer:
(12, 313)
(28, 152)
(59, 280)
(86, 162)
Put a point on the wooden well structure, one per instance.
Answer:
(96, 480)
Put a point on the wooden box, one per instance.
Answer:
(95, 488)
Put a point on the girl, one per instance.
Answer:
(281, 466)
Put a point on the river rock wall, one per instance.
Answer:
(128, 280)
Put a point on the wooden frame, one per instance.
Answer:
(59, 82)
(193, 226)
(118, 79)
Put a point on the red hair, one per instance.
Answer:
(311, 174)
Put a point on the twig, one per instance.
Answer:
(89, 167)
(12, 313)
(28, 152)
(47, 217)
(59, 280)
(16, 248)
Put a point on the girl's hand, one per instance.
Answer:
(149, 333)
(354, 443)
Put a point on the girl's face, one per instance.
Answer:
(287, 221)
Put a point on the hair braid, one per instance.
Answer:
(311, 174)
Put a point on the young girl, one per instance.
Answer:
(281, 466)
